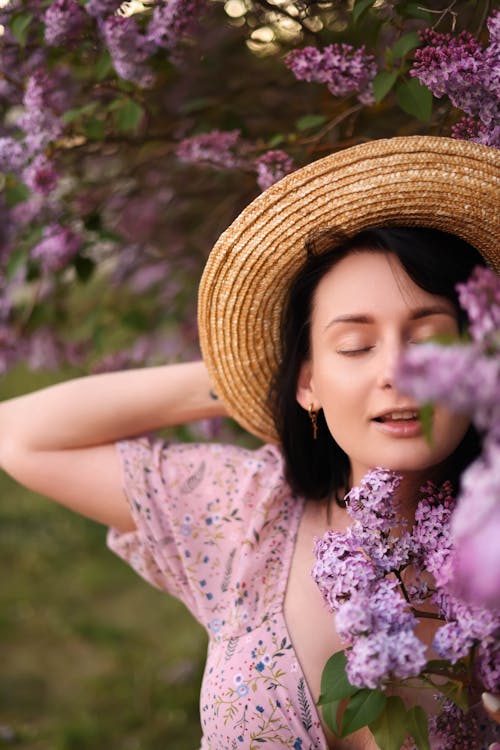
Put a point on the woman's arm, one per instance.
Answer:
(59, 441)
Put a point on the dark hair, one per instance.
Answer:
(436, 261)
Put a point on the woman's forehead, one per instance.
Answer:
(371, 284)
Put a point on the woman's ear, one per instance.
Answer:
(305, 388)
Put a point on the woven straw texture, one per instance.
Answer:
(443, 183)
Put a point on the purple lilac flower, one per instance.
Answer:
(174, 20)
(480, 298)
(471, 129)
(46, 97)
(373, 502)
(129, 50)
(45, 351)
(494, 27)
(219, 148)
(343, 68)
(40, 176)
(452, 729)
(488, 662)
(102, 8)
(64, 22)
(57, 247)
(271, 167)
(431, 530)
(340, 568)
(13, 155)
(466, 624)
(459, 376)
(379, 656)
(458, 67)
(476, 529)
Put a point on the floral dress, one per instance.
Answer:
(216, 528)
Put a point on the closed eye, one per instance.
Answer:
(354, 352)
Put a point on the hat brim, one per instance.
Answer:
(427, 181)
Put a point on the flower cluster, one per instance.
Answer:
(360, 574)
(56, 248)
(130, 50)
(466, 378)
(459, 67)
(345, 69)
(271, 167)
(64, 22)
(173, 21)
(219, 148)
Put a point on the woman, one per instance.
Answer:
(230, 531)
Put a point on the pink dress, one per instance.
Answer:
(216, 527)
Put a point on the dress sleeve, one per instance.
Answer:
(198, 509)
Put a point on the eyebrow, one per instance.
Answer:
(419, 312)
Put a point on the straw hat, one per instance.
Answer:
(448, 184)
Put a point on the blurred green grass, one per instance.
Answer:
(91, 656)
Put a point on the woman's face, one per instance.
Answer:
(366, 310)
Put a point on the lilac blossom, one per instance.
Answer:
(129, 50)
(431, 530)
(493, 24)
(458, 67)
(272, 166)
(102, 8)
(343, 68)
(488, 662)
(480, 298)
(471, 129)
(373, 502)
(225, 149)
(46, 97)
(64, 22)
(41, 176)
(57, 248)
(340, 568)
(452, 729)
(174, 20)
(13, 155)
(45, 351)
(459, 376)
(376, 657)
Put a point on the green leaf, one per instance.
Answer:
(363, 708)
(360, 7)
(456, 691)
(16, 260)
(389, 729)
(426, 414)
(334, 682)
(103, 66)
(84, 267)
(136, 320)
(330, 711)
(94, 129)
(16, 192)
(418, 727)
(74, 114)
(405, 44)
(197, 105)
(383, 83)
(19, 27)
(414, 10)
(275, 140)
(310, 121)
(415, 99)
(128, 116)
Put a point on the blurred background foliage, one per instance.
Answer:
(110, 202)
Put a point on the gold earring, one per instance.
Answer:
(313, 416)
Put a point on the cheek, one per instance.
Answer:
(449, 429)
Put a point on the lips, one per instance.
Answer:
(398, 415)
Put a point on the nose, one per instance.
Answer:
(389, 357)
